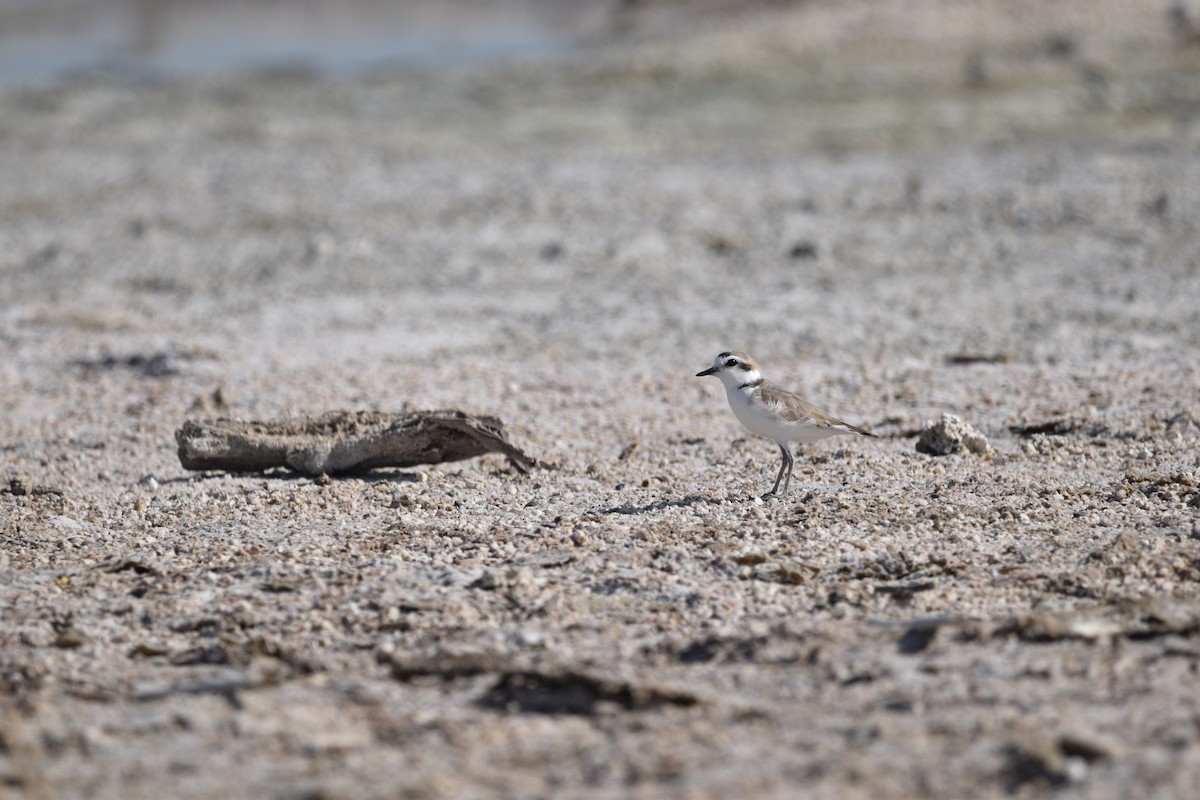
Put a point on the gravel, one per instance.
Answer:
(922, 211)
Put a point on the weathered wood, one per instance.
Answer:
(344, 441)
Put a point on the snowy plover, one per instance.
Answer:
(771, 411)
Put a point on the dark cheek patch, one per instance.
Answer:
(745, 367)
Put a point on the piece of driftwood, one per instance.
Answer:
(344, 441)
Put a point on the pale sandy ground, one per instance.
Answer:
(855, 193)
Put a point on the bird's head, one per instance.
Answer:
(734, 368)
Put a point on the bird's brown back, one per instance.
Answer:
(797, 409)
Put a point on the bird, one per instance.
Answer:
(773, 412)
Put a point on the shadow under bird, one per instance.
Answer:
(773, 412)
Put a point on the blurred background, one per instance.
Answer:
(944, 67)
(57, 38)
(42, 39)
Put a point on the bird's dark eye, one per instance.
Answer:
(731, 362)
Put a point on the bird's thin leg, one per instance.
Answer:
(790, 462)
(784, 467)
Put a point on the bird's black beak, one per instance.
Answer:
(709, 371)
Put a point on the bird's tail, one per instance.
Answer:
(859, 431)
